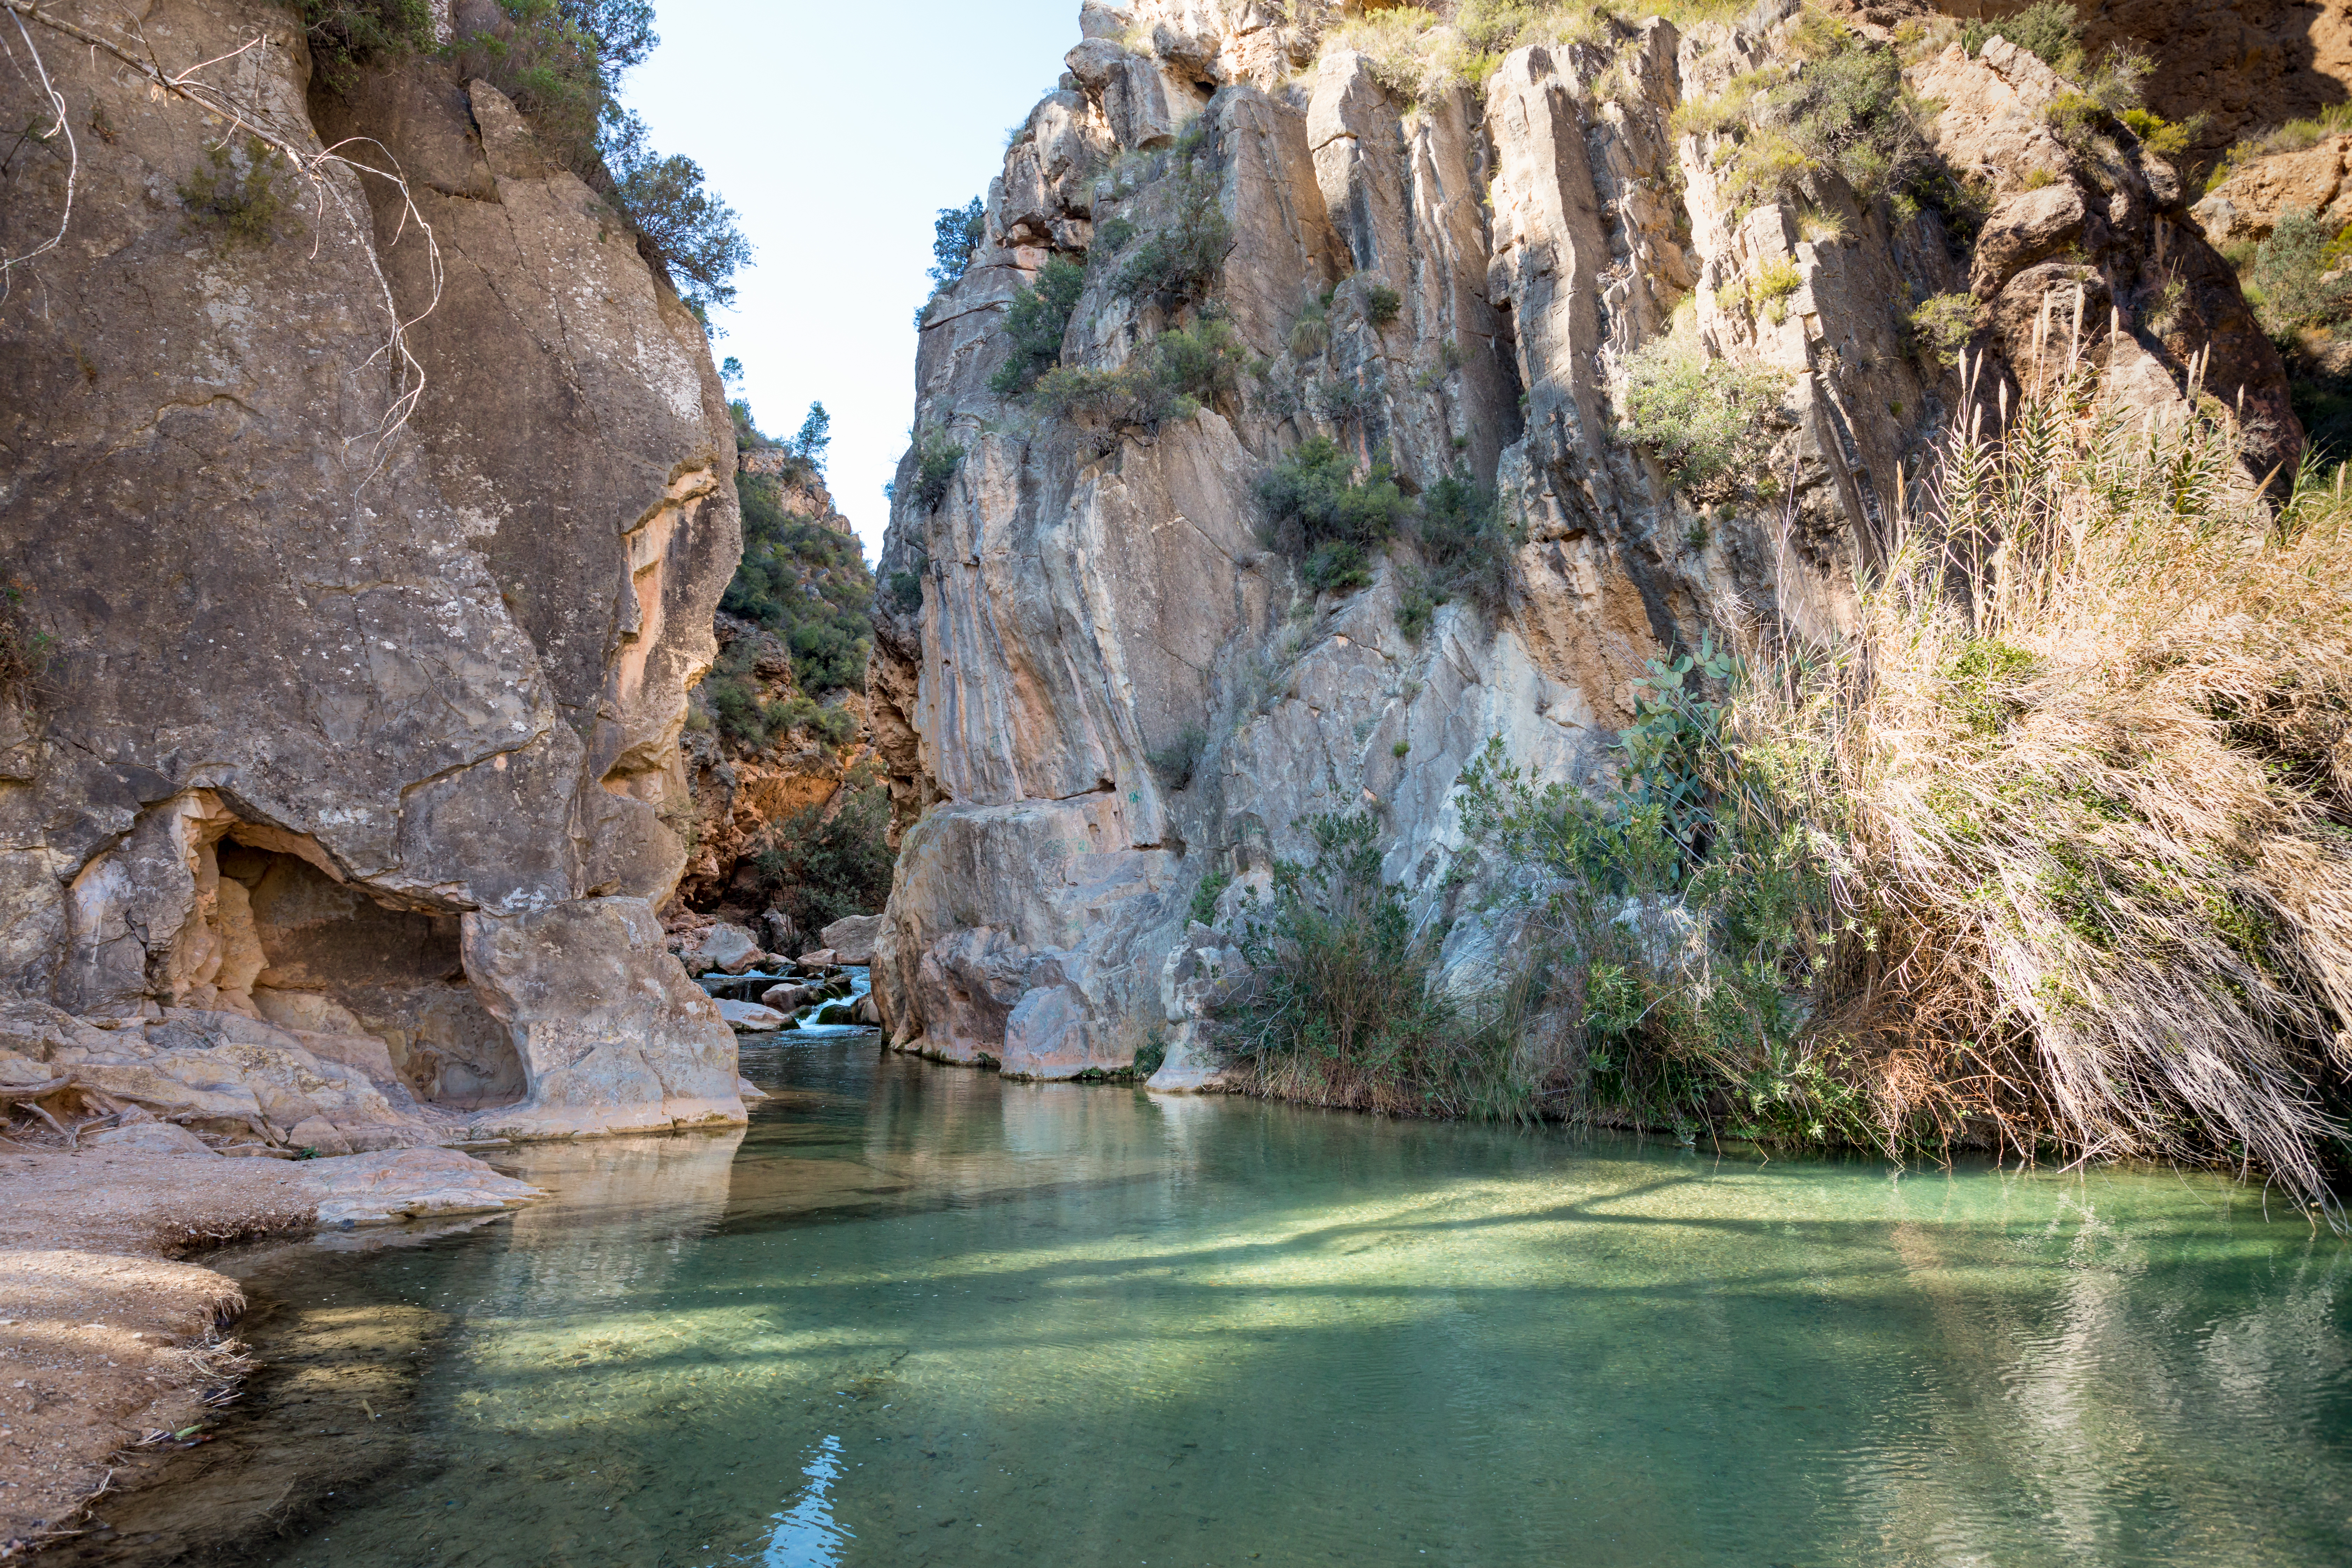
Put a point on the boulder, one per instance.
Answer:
(750, 1018)
(788, 998)
(320, 1134)
(150, 1137)
(411, 1184)
(612, 1035)
(867, 1012)
(750, 1090)
(820, 958)
(728, 949)
(851, 939)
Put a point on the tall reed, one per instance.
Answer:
(2081, 774)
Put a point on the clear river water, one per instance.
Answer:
(923, 1315)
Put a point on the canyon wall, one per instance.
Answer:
(1111, 688)
(338, 782)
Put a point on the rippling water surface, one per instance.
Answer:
(921, 1315)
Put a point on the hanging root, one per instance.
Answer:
(317, 165)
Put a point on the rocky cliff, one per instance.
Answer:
(1116, 691)
(364, 518)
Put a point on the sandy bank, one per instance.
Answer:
(106, 1341)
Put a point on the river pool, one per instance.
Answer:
(923, 1315)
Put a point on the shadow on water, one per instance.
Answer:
(917, 1314)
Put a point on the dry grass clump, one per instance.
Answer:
(2083, 770)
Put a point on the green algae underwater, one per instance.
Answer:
(923, 1315)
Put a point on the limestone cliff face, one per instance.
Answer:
(359, 711)
(1091, 605)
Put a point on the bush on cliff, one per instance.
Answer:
(345, 35)
(670, 205)
(1178, 262)
(1036, 322)
(1171, 377)
(2049, 29)
(1710, 421)
(801, 580)
(956, 233)
(561, 61)
(1327, 517)
(937, 458)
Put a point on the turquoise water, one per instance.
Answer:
(920, 1315)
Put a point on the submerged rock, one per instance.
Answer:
(413, 1184)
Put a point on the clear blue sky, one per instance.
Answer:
(838, 131)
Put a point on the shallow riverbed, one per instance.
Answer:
(923, 1315)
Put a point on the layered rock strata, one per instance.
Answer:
(368, 535)
(1112, 689)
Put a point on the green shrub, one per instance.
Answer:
(1310, 336)
(1416, 607)
(1382, 304)
(1037, 322)
(2289, 282)
(1337, 566)
(1942, 326)
(2048, 29)
(1835, 102)
(2163, 137)
(1171, 378)
(827, 861)
(347, 35)
(1201, 362)
(1150, 1056)
(805, 583)
(1205, 896)
(1178, 262)
(1469, 548)
(1322, 516)
(667, 203)
(234, 194)
(1710, 421)
(1114, 235)
(1343, 1009)
(937, 458)
(561, 62)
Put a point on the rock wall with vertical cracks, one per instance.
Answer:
(338, 796)
(1111, 690)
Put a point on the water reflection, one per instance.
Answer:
(957, 1321)
(806, 1536)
